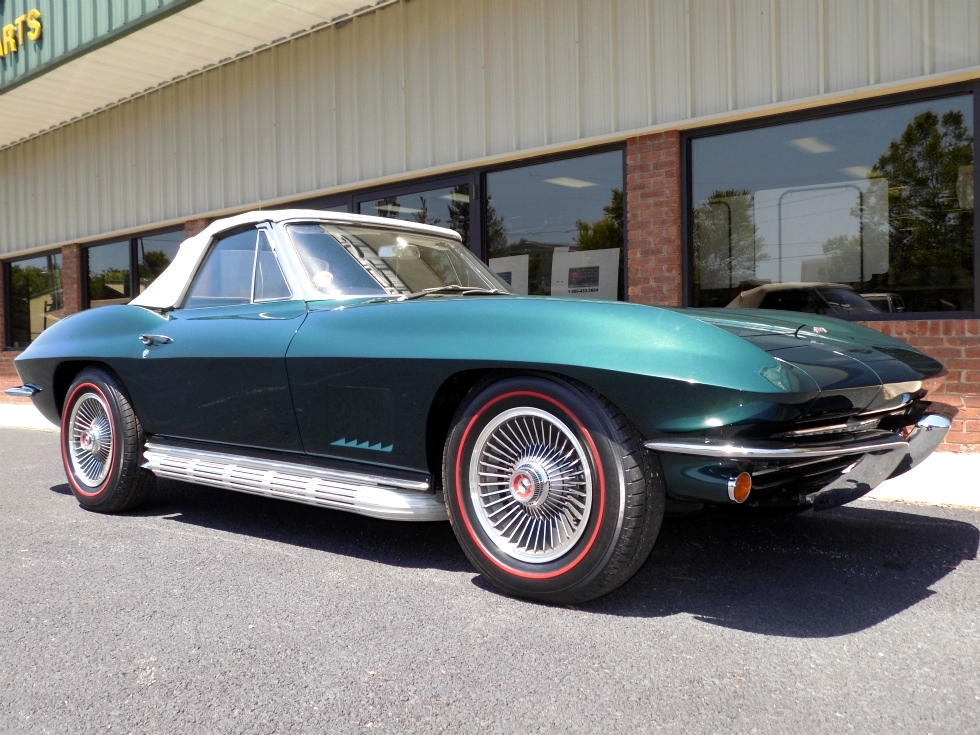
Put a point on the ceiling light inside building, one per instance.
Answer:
(456, 197)
(396, 209)
(811, 145)
(858, 172)
(569, 182)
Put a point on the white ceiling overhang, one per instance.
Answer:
(208, 33)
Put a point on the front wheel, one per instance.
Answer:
(549, 491)
(102, 444)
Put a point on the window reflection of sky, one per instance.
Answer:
(532, 208)
(772, 157)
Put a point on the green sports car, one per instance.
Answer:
(377, 366)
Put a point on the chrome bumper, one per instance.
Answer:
(878, 456)
(927, 434)
(22, 391)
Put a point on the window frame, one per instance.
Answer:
(263, 227)
(817, 113)
(133, 241)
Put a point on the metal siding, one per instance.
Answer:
(531, 73)
(597, 104)
(847, 44)
(671, 61)
(800, 50)
(498, 75)
(473, 107)
(901, 43)
(750, 56)
(956, 34)
(709, 54)
(433, 83)
(631, 63)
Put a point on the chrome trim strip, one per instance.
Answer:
(724, 449)
(23, 391)
(378, 496)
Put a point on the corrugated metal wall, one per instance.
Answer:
(436, 83)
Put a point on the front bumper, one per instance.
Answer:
(22, 391)
(821, 474)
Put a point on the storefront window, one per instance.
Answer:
(116, 268)
(34, 300)
(154, 254)
(108, 274)
(880, 201)
(556, 228)
(444, 207)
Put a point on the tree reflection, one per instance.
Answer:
(727, 246)
(929, 222)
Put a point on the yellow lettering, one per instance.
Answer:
(34, 24)
(9, 42)
(19, 22)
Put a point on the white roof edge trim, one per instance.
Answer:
(169, 287)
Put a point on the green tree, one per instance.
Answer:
(604, 233)
(929, 220)
(727, 246)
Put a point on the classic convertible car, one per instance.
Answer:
(376, 366)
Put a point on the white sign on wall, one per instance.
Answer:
(592, 274)
(513, 269)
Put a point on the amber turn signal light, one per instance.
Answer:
(739, 487)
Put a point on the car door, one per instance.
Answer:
(215, 370)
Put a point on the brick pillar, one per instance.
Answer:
(8, 374)
(194, 226)
(4, 339)
(653, 218)
(71, 278)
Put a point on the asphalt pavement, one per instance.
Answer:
(944, 479)
(208, 611)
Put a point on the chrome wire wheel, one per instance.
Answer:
(90, 440)
(530, 485)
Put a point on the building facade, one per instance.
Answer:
(670, 152)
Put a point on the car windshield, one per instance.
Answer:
(844, 301)
(345, 260)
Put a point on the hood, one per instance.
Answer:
(841, 357)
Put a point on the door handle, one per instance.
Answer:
(155, 339)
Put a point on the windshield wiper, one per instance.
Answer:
(452, 289)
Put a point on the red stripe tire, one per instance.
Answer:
(102, 444)
(549, 491)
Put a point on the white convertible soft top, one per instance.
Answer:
(169, 287)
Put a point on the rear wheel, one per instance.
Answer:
(549, 491)
(102, 444)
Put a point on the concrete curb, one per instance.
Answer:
(943, 479)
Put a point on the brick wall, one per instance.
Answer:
(653, 219)
(194, 226)
(71, 278)
(8, 375)
(955, 343)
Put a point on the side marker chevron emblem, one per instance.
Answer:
(355, 444)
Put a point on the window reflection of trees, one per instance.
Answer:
(915, 206)
(929, 170)
(36, 298)
(727, 246)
